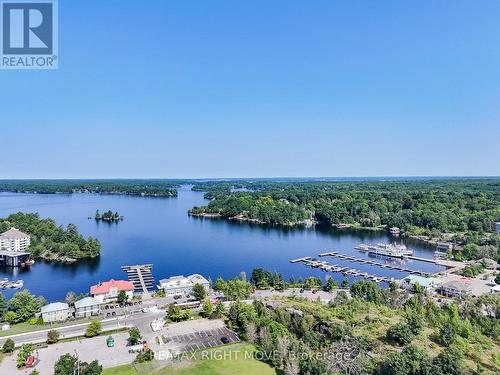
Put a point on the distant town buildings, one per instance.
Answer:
(109, 290)
(14, 240)
(182, 285)
(86, 307)
(55, 312)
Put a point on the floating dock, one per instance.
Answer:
(300, 260)
(325, 266)
(335, 254)
(141, 276)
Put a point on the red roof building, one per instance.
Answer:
(109, 290)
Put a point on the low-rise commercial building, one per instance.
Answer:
(55, 312)
(87, 307)
(109, 290)
(182, 285)
(428, 284)
(455, 288)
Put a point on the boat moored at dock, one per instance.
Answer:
(391, 250)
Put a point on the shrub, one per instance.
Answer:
(52, 337)
(400, 334)
(94, 329)
(8, 346)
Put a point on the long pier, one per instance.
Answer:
(325, 266)
(335, 254)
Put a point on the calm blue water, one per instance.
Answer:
(158, 231)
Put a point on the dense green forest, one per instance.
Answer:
(50, 241)
(156, 188)
(377, 331)
(466, 207)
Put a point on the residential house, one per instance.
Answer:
(87, 307)
(55, 312)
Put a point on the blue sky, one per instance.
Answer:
(259, 89)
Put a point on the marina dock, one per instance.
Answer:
(325, 266)
(335, 254)
(141, 276)
(300, 260)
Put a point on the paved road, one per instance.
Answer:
(141, 320)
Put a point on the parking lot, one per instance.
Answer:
(200, 340)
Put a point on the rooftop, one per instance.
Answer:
(181, 281)
(104, 287)
(459, 285)
(85, 302)
(56, 306)
(422, 281)
(14, 234)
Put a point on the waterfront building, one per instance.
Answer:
(428, 284)
(13, 246)
(109, 290)
(182, 285)
(444, 246)
(55, 312)
(457, 288)
(14, 240)
(87, 307)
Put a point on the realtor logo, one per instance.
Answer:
(29, 34)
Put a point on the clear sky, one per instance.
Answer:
(259, 89)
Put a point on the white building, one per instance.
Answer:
(86, 307)
(182, 285)
(457, 288)
(109, 290)
(428, 284)
(55, 312)
(14, 240)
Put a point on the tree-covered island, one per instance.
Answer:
(50, 241)
(108, 216)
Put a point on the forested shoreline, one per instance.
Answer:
(465, 208)
(149, 188)
(50, 241)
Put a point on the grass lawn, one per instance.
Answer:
(120, 370)
(223, 364)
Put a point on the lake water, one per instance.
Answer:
(159, 231)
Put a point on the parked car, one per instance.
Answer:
(224, 340)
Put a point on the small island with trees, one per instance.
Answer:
(108, 216)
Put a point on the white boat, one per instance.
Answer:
(16, 284)
(391, 250)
